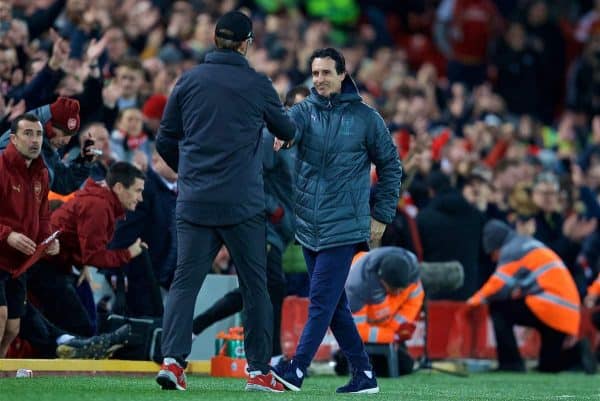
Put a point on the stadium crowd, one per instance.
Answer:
(494, 107)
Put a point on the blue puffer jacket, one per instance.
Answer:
(337, 140)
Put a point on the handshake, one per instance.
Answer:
(280, 144)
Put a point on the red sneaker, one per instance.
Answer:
(261, 382)
(171, 377)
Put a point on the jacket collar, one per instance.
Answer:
(17, 161)
(349, 93)
(226, 56)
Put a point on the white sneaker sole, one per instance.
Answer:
(256, 387)
(373, 390)
(287, 384)
(168, 381)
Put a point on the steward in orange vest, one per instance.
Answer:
(385, 296)
(592, 301)
(531, 287)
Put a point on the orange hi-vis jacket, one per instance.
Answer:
(528, 269)
(379, 316)
(594, 288)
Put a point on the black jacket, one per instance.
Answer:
(451, 229)
(211, 134)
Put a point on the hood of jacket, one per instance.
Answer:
(349, 93)
(95, 190)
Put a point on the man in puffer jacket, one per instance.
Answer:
(337, 139)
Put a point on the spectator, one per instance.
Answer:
(449, 211)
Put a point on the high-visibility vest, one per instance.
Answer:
(379, 323)
(540, 277)
(594, 288)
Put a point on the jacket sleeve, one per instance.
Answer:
(409, 310)
(383, 153)
(297, 113)
(4, 229)
(44, 229)
(497, 287)
(594, 288)
(66, 178)
(92, 228)
(278, 122)
(170, 131)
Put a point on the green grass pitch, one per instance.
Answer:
(420, 386)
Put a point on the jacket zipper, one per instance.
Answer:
(327, 134)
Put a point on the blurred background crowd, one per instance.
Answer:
(494, 105)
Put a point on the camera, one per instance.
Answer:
(93, 151)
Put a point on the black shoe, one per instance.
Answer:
(588, 359)
(96, 347)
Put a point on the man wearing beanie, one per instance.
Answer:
(385, 296)
(61, 121)
(531, 287)
(210, 134)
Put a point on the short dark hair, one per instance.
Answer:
(335, 55)
(227, 44)
(123, 172)
(132, 63)
(290, 97)
(14, 125)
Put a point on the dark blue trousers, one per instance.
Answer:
(328, 270)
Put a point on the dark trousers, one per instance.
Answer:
(58, 299)
(196, 249)
(39, 332)
(232, 302)
(505, 315)
(328, 270)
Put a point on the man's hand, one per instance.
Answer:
(281, 144)
(89, 153)
(54, 248)
(60, 51)
(377, 229)
(136, 248)
(21, 243)
(590, 300)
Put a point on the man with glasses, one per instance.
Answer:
(210, 134)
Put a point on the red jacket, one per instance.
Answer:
(23, 205)
(87, 224)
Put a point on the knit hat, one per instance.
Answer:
(65, 115)
(394, 270)
(495, 233)
(234, 26)
(154, 106)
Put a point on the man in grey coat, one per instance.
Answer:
(337, 138)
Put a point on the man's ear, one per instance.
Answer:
(13, 138)
(118, 188)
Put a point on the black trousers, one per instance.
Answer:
(505, 315)
(58, 299)
(232, 303)
(39, 332)
(197, 247)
